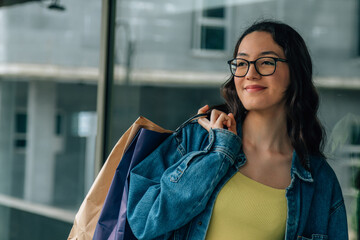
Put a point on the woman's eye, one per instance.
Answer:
(242, 64)
(270, 63)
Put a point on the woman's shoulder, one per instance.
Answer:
(322, 171)
(320, 165)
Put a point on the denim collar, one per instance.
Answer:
(298, 169)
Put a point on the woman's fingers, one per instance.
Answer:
(205, 123)
(214, 116)
(204, 109)
(232, 127)
(218, 119)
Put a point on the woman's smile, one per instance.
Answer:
(254, 88)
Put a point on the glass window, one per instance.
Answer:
(212, 38)
(214, 12)
(213, 8)
(21, 122)
(49, 61)
(20, 131)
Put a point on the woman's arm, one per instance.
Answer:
(337, 223)
(174, 183)
(338, 228)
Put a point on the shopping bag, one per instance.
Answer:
(112, 224)
(88, 214)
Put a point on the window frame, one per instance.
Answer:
(199, 21)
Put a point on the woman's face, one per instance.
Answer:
(256, 92)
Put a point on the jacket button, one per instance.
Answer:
(200, 223)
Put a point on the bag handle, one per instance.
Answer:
(191, 119)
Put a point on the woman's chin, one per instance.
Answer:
(254, 107)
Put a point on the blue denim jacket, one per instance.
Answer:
(172, 192)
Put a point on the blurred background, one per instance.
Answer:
(73, 70)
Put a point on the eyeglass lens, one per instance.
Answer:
(264, 66)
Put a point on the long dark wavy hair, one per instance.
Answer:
(301, 99)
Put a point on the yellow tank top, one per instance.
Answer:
(246, 209)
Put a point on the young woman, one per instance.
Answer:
(254, 169)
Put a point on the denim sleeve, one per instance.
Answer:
(337, 225)
(173, 185)
(338, 228)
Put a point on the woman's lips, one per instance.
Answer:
(254, 88)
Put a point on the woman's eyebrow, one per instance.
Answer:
(261, 54)
(242, 54)
(268, 52)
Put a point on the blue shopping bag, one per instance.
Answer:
(112, 223)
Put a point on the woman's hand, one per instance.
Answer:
(218, 119)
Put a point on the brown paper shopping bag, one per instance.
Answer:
(90, 209)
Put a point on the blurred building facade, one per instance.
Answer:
(170, 60)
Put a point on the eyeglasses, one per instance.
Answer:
(265, 66)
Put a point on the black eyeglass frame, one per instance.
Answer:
(254, 62)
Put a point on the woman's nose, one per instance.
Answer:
(252, 74)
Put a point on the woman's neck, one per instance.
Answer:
(267, 131)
